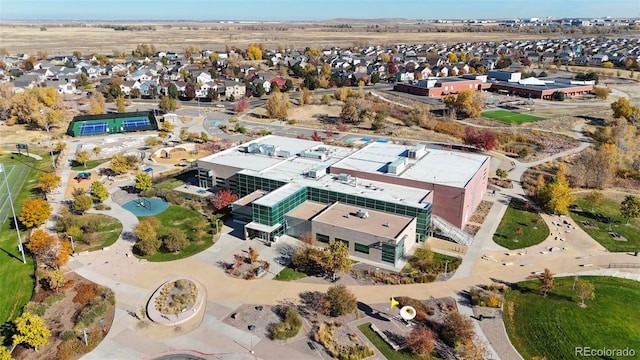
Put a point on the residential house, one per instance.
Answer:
(235, 88)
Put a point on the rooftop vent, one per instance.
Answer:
(362, 214)
(386, 224)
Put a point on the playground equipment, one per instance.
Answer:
(83, 176)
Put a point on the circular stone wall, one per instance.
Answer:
(175, 302)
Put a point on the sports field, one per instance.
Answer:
(510, 117)
(16, 175)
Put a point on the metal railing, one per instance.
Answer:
(623, 266)
(451, 231)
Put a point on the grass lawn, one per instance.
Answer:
(17, 278)
(607, 216)
(169, 184)
(555, 325)
(177, 217)
(288, 274)
(510, 117)
(89, 165)
(383, 347)
(107, 234)
(534, 229)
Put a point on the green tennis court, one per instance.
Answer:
(510, 117)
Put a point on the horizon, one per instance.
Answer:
(296, 11)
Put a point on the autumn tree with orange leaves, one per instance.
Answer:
(49, 249)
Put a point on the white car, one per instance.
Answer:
(219, 106)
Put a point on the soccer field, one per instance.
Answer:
(510, 117)
(16, 176)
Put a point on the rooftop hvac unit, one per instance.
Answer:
(283, 153)
(397, 166)
(417, 151)
(318, 172)
(343, 177)
(362, 214)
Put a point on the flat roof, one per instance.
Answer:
(248, 199)
(442, 167)
(377, 222)
(550, 83)
(307, 210)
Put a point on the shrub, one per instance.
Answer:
(35, 308)
(289, 327)
(85, 293)
(416, 304)
(68, 335)
(72, 349)
(341, 301)
(90, 313)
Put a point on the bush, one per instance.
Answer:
(85, 293)
(341, 301)
(90, 313)
(68, 335)
(74, 348)
(289, 327)
(35, 308)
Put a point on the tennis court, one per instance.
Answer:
(16, 176)
(130, 124)
(93, 128)
(510, 117)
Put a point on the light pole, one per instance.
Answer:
(73, 247)
(13, 211)
(446, 266)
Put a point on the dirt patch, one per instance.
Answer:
(84, 184)
(60, 317)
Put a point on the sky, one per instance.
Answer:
(288, 10)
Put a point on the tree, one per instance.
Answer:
(502, 174)
(97, 104)
(82, 156)
(337, 258)
(545, 282)
(277, 105)
(452, 57)
(212, 94)
(120, 107)
(143, 181)
(315, 136)
(175, 240)
(168, 103)
(82, 203)
(48, 248)
(557, 195)
(99, 192)
(484, 139)
(468, 103)
(340, 126)
(420, 341)
(458, 329)
(630, 207)
(31, 330)
(222, 199)
(167, 126)
(34, 212)
(48, 182)
(594, 198)
(341, 301)
(518, 232)
(242, 105)
(96, 151)
(622, 108)
(189, 91)
(148, 242)
(254, 53)
(172, 91)
(350, 111)
(304, 96)
(120, 164)
(5, 354)
(585, 291)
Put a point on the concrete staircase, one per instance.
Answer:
(451, 231)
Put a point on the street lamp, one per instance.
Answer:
(13, 211)
(446, 266)
(73, 248)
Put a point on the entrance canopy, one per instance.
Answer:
(261, 227)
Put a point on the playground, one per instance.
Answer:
(143, 206)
